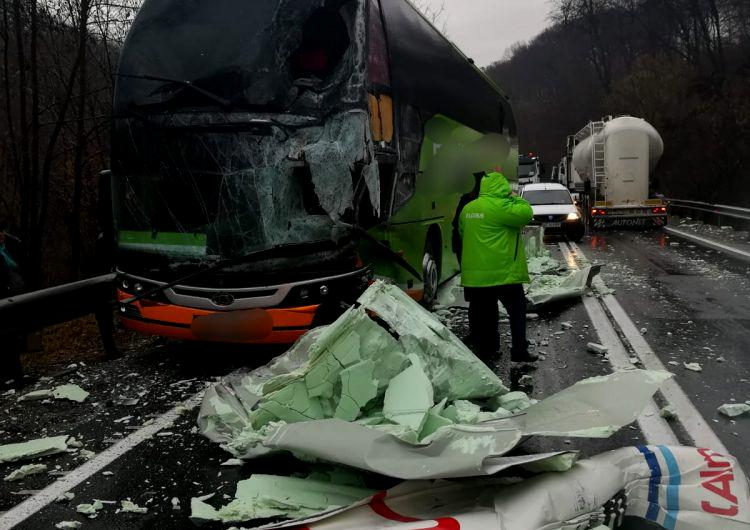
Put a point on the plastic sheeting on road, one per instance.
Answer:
(674, 487)
(387, 388)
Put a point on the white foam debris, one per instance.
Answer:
(66, 497)
(593, 347)
(25, 471)
(131, 507)
(90, 509)
(67, 525)
(693, 367)
(733, 410)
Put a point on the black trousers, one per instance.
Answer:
(484, 318)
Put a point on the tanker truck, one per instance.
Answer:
(615, 158)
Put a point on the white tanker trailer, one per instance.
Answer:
(615, 159)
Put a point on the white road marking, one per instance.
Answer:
(655, 429)
(705, 242)
(49, 494)
(691, 419)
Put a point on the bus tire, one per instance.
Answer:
(431, 276)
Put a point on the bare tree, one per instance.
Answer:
(435, 12)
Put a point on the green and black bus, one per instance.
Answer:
(270, 157)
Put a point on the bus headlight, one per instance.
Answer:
(573, 216)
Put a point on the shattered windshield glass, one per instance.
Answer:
(274, 55)
(198, 194)
(240, 126)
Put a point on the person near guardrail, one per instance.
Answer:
(11, 280)
(494, 266)
(11, 283)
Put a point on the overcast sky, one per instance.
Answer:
(484, 29)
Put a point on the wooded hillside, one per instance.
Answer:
(683, 65)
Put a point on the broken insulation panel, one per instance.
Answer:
(437, 411)
(243, 192)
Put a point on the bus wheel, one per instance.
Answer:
(430, 273)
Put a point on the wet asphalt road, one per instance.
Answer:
(697, 296)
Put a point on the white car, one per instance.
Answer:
(555, 209)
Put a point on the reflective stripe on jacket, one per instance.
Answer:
(490, 227)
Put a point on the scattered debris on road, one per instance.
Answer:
(551, 281)
(68, 525)
(33, 449)
(25, 471)
(90, 509)
(404, 415)
(693, 367)
(733, 410)
(69, 392)
(593, 347)
(130, 507)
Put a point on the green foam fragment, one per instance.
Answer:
(433, 423)
(409, 397)
(512, 401)
(71, 393)
(292, 404)
(555, 464)
(466, 411)
(346, 350)
(265, 496)
(33, 449)
(358, 388)
(25, 471)
(322, 377)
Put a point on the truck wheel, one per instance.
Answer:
(431, 275)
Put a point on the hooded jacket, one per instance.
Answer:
(490, 227)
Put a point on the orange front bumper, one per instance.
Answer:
(154, 318)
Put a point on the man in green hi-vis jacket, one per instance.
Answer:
(493, 266)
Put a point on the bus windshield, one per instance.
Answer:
(275, 55)
(204, 195)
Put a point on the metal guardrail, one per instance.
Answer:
(723, 210)
(29, 312)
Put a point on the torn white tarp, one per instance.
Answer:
(593, 408)
(674, 487)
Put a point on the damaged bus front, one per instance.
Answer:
(270, 156)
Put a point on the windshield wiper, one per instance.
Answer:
(187, 84)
